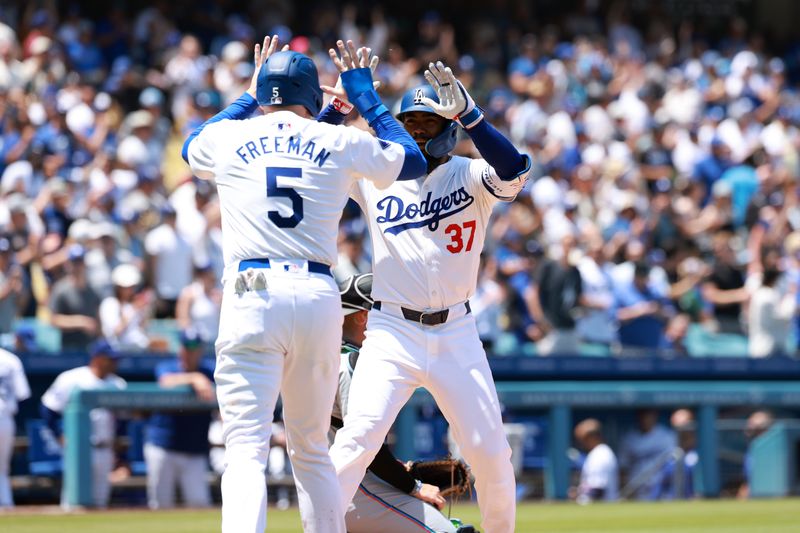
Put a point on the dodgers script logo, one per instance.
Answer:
(429, 212)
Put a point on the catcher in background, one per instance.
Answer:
(392, 497)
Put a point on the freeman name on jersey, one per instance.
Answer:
(395, 210)
(250, 150)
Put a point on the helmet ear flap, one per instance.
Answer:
(443, 144)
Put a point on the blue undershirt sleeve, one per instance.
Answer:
(242, 108)
(388, 129)
(497, 151)
(330, 115)
(52, 419)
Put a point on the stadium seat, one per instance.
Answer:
(166, 329)
(48, 337)
(44, 451)
(702, 343)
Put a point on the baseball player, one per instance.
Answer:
(176, 444)
(13, 389)
(283, 180)
(427, 237)
(388, 499)
(98, 374)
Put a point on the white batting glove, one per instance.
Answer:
(455, 103)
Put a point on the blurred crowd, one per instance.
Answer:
(661, 213)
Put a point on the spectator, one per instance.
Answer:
(642, 312)
(75, 305)
(770, 315)
(597, 324)
(599, 473)
(199, 304)
(11, 287)
(124, 315)
(725, 289)
(553, 300)
(13, 389)
(169, 262)
(643, 452)
(98, 374)
(711, 168)
(757, 424)
(104, 257)
(176, 444)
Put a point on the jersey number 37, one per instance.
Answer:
(273, 191)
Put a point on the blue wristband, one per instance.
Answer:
(471, 119)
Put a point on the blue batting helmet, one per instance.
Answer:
(289, 78)
(443, 143)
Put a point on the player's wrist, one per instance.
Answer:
(470, 118)
(417, 488)
(341, 106)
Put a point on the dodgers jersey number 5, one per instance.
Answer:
(304, 169)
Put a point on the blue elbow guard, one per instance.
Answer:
(357, 84)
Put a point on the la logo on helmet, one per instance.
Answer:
(418, 96)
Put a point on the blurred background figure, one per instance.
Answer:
(643, 452)
(98, 374)
(14, 388)
(75, 305)
(123, 316)
(176, 444)
(198, 305)
(677, 475)
(599, 474)
(757, 424)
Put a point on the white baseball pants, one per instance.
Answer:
(7, 429)
(397, 357)
(166, 470)
(284, 339)
(102, 465)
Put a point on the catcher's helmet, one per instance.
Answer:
(443, 143)
(289, 78)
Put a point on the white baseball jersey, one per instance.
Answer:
(428, 233)
(600, 472)
(13, 383)
(283, 181)
(82, 377)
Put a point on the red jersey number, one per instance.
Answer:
(455, 232)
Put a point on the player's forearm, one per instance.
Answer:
(362, 94)
(243, 107)
(388, 129)
(389, 469)
(498, 151)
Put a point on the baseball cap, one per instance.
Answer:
(356, 292)
(76, 252)
(126, 275)
(26, 336)
(102, 347)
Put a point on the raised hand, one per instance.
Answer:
(347, 59)
(260, 55)
(454, 101)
